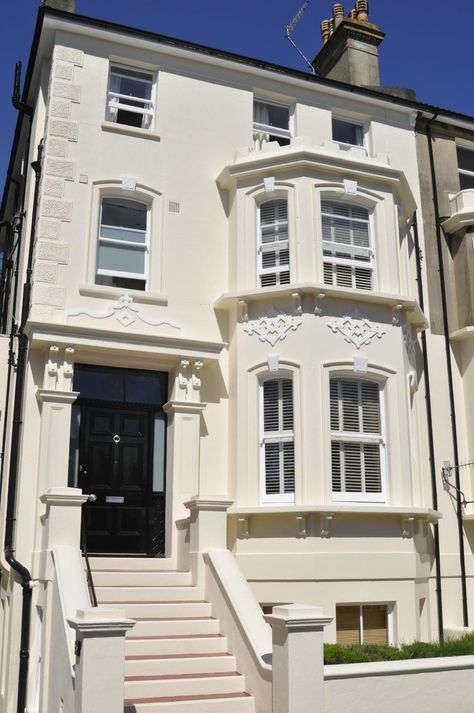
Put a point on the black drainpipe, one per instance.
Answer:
(15, 456)
(429, 418)
(447, 346)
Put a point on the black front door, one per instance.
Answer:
(115, 465)
(117, 455)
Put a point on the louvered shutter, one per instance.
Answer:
(356, 439)
(346, 246)
(374, 624)
(348, 625)
(278, 439)
(274, 255)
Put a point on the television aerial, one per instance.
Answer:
(291, 27)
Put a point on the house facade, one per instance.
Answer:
(221, 319)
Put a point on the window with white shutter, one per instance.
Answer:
(357, 441)
(348, 257)
(273, 248)
(277, 442)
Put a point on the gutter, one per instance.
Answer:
(452, 404)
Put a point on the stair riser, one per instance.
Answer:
(173, 611)
(201, 627)
(177, 667)
(184, 687)
(167, 647)
(139, 579)
(113, 595)
(129, 563)
(221, 705)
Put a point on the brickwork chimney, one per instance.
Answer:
(350, 47)
(65, 5)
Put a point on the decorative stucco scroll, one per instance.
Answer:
(273, 326)
(356, 329)
(126, 313)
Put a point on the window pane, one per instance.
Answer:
(124, 213)
(121, 259)
(145, 388)
(125, 282)
(271, 115)
(465, 159)
(346, 133)
(134, 84)
(132, 236)
(98, 384)
(159, 452)
(73, 473)
(466, 181)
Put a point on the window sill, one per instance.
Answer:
(138, 296)
(338, 509)
(130, 131)
(414, 314)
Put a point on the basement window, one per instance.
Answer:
(347, 133)
(130, 99)
(466, 168)
(362, 624)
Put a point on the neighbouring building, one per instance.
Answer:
(229, 359)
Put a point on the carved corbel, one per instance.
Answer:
(298, 304)
(243, 310)
(68, 368)
(397, 311)
(317, 309)
(51, 373)
(243, 528)
(326, 522)
(301, 525)
(408, 526)
(427, 526)
(183, 374)
(196, 379)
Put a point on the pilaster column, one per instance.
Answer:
(54, 437)
(207, 529)
(298, 658)
(100, 659)
(183, 450)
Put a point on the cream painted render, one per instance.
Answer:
(205, 321)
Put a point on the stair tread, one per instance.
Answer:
(174, 656)
(146, 586)
(155, 601)
(179, 676)
(176, 699)
(167, 571)
(174, 618)
(175, 638)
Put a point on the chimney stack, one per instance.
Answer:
(64, 5)
(350, 47)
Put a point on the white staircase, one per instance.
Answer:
(176, 660)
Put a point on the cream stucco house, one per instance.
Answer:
(213, 338)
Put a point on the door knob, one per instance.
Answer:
(92, 498)
(116, 439)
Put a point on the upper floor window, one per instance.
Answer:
(466, 168)
(347, 132)
(348, 258)
(130, 97)
(271, 122)
(273, 249)
(277, 441)
(122, 253)
(357, 441)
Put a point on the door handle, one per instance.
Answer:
(92, 498)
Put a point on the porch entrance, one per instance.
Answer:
(118, 454)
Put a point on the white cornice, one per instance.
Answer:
(318, 158)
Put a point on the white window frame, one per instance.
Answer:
(390, 618)
(371, 264)
(361, 127)
(281, 437)
(464, 171)
(259, 128)
(125, 243)
(275, 246)
(362, 438)
(113, 98)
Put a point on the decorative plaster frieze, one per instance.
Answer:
(125, 312)
(273, 326)
(356, 329)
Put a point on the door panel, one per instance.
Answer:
(117, 466)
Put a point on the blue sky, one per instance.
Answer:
(428, 44)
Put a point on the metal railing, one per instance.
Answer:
(90, 581)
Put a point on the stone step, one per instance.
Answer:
(117, 595)
(140, 578)
(177, 665)
(139, 687)
(162, 610)
(157, 564)
(220, 703)
(153, 626)
(155, 646)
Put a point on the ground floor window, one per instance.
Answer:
(362, 624)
